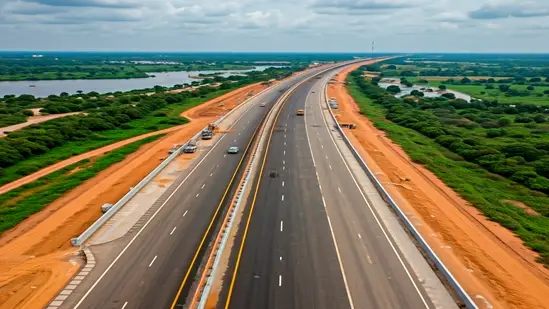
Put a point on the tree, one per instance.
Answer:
(504, 88)
(391, 67)
(523, 119)
(539, 118)
(449, 95)
(505, 121)
(79, 91)
(535, 80)
(63, 94)
(417, 93)
(393, 89)
(407, 73)
(465, 80)
(531, 88)
(442, 87)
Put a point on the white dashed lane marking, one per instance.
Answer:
(154, 259)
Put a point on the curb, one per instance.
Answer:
(75, 281)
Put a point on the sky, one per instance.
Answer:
(276, 25)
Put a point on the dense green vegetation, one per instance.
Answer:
(84, 65)
(501, 150)
(18, 204)
(525, 66)
(25, 67)
(109, 118)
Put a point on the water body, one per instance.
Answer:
(435, 93)
(44, 88)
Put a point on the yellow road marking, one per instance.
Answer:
(174, 303)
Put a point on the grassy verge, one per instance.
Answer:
(169, 117)
(486, 191)
(18, 204)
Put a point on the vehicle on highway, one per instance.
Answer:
(263, 104)
(106, 207)
(300, 112)
(233, 150)
(334, 106)
(207, 134)
(190, 149)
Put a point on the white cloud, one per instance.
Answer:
(308, 25)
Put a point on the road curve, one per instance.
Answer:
(145, 268)
(313, 239)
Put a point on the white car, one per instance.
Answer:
(263, 104)
(233, 150)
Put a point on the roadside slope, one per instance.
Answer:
(488, 260)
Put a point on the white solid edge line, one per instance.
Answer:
(341, 268)
(154, 259)
(173, 230)
(154, 215)
(373, 213)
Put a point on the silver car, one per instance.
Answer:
(233, 150)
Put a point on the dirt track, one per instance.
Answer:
(35, 256)
(33, 120)
(489, 261)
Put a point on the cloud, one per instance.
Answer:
(89, 3)
(497, 9)
(452, 17)
(321, 25)
(364, 4)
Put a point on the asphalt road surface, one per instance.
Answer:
(313, 240)
(149, 270)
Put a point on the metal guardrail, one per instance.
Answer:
(78, 241)
(205, 287)
(464, 297)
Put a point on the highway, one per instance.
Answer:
(148, 266)
(313, 240)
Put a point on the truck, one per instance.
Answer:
(300, 112)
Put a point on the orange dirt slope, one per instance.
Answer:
(36, 256)
(489, 261)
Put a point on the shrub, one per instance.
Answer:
(393, 89)
(448, 95)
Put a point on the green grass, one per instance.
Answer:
(484, 190)
(18, 204)
(479, 92)
(141, 126)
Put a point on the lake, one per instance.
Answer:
(44, 88)
(434, 94)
